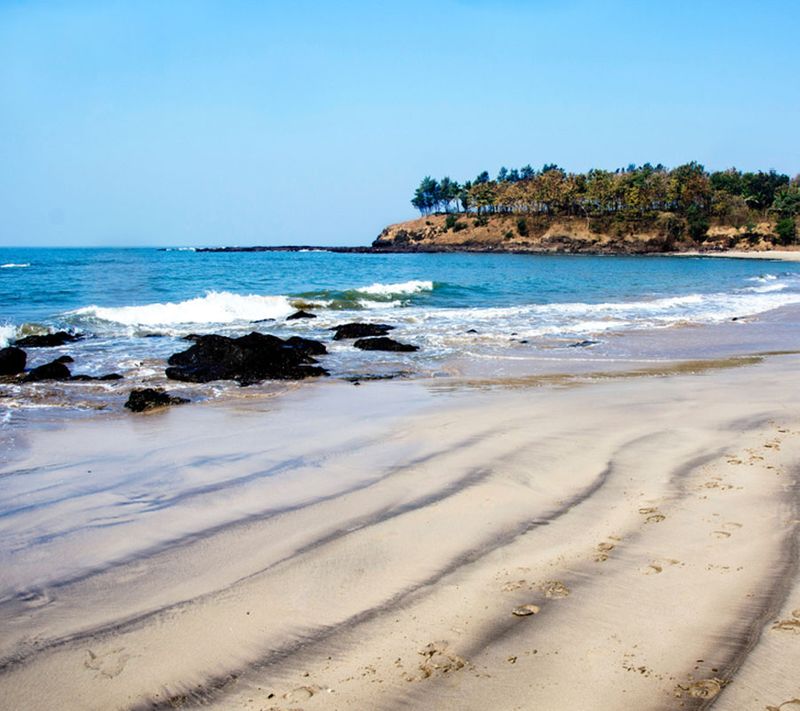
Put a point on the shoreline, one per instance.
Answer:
(378, 567)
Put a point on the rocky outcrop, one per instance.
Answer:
(12, 360)
(657, 233)
(360, 330)
(144, 399)
(247, 360)
(49, 340)
(384, 344)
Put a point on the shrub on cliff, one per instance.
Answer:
(786, 229)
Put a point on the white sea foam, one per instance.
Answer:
(406, 287)
(11, 265)
(214, 307)
(7, 334)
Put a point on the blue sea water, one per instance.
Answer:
(136, 304)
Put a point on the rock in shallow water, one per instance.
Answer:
(247, 360)
(12, 360)
(55, 370)
(300, 314)
(144, 399)
(49, 340)
(360, 330)
(384, 344)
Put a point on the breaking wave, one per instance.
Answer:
(214, 307)
(7, 334)
(11, 265)
(406, 287)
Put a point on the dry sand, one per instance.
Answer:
(783, 255)
(624, 544)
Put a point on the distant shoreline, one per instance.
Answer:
(786, 255)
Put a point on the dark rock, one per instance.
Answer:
(472, 330)
(144, 399)
(64, 359)
(384, 344)
(262, 320)
(247, 360)
(49, 340)
(12, 360)
(300, 314)
(50, 371)
(307, 346)
(360, 330)
(583, 344)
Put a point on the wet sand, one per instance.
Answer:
(604, 543)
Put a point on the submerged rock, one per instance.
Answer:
(12, 360)
(88, 378)
(384, 344)
(49, 340)
(55, 370)
(300, 314)
(360, 330)
(144, 399)
(247, 360)
(583, 344)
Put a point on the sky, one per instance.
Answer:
(199, 122)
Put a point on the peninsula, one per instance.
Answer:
(634, 210)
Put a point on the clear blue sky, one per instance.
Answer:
(199, 123)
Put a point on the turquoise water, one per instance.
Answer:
(135, 304)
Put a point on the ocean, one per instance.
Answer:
(136, 305)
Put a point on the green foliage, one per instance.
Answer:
(786, 230)
(697, 223)
(682, 201)
(509, 235)
(459, 225)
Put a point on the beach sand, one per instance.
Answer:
(621, 543)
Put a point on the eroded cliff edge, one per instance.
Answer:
(572, 235)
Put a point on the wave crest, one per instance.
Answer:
(12, 265)
(214, 307)
(406, 287)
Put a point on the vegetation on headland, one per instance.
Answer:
(680, 205)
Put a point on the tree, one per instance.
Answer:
(786, 229)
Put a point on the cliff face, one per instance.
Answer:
(515, 233)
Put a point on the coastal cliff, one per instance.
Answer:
(571, 235)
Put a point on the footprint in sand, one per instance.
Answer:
(720, 534)
(791, 625)
(653, 514)
(554, 589)
(35, 598)
(301, 693)
(701, 689)
(107, 664)
(439, 659)
(790, 705)
(657, 566)
(602, 551)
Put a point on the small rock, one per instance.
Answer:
(50, 371)
(12, 360)
(49, 340)
(64, 359)
(583, 344)
(360, 330)
(300, 314)
(525, 610)
(144, 399)
(384, 344)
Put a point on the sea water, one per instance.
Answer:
(136, 305)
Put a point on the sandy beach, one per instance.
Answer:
(624, 543)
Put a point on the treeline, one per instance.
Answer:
(729, 197)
